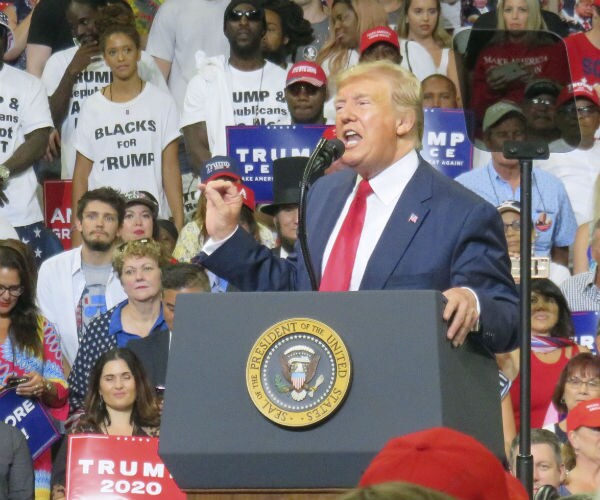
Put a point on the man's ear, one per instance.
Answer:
(405, 122)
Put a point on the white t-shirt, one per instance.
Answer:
(223, 96)
(258, 96)
(23, 109)
(125, 141)
(95, 76)
(578, 170)
(180, 29)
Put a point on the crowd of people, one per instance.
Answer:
(134, 114)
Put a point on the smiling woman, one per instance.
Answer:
(551, 350)
(138, 265)
(30, 351)
(120, 402)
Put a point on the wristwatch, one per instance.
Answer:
(4, 173)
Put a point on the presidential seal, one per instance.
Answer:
(298, 372)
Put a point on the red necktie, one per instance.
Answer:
(338, 270)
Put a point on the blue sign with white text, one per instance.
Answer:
(256, 147)
(585, 324)
(30, 418)
(446, 144)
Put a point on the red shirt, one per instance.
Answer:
(584, 58)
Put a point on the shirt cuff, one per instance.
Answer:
(477, 325)
(211, 246)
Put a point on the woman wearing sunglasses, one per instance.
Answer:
(138, 265)
(30, 355)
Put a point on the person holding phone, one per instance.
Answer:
(30, 355)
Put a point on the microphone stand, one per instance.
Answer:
(311, 167)
(525, 152)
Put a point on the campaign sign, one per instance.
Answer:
(586, 325)
(255, 148)
(57, 210)
(29, 416)
(446, 144)
(123, 467)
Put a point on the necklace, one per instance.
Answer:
(110, 97)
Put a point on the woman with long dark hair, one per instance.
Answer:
(551, 349)
(29, 346)
(120, 402)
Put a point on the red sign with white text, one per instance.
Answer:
(117, 467)
(57, 210)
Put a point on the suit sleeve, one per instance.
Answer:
(251, 267)
(480, 262)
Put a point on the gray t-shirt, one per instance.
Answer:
(309, 52)
(93, 298)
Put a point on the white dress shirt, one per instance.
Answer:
(387, 187)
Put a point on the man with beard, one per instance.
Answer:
(242, 89)
(76, 286)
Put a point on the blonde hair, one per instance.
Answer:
(439, 34)
(535, 21)
(369, 14)
(146, 247)
(405, 88)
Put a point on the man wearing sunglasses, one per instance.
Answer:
(306, 93)
(574, 157)
(539, 107)
(240, 89)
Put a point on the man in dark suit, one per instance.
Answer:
(421, 230)
(153, 350)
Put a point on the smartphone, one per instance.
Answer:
(14, 381)
(160, 390)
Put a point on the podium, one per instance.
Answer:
(406, 376)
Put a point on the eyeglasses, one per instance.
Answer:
(514, 225)
(14, 291)
(588, 110)
(296, 89)
(593, 384)
(250, 15)
(540, 101)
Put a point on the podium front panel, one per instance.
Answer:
(405, 377)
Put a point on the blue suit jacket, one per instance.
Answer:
(440, 235)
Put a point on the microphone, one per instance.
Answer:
(326, 152)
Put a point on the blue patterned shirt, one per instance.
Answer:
(102, 334)
(548, 197)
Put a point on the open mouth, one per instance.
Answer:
(351, 138)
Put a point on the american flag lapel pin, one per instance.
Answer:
(413, 218)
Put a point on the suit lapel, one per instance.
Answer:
(328, 212)
(406, 219)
